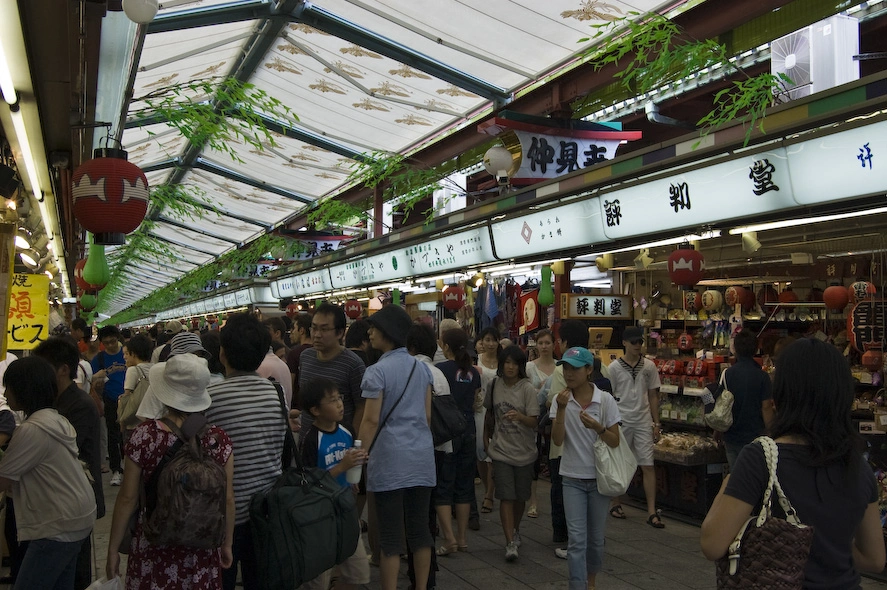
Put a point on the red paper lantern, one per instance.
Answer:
(454, 297)
(692, 301)
(353, 309)
(292, 310)
(78, 276)
(836, 297)
(110, 196)
(788, 296)
(686, 266)
(685, 342)
(860, 291)
(767, 294)
(734, 296)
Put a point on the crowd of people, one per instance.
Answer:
(235, 392)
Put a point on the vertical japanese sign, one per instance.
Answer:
(7, 255)
(28, 317)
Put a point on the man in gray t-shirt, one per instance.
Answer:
(328, 358)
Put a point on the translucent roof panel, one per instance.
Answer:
(221, 226)
(153, 144)
(191, 240)
(242, 200)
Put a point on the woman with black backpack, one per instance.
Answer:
(180, 541)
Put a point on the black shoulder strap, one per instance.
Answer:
(388, 415)
(289, 445)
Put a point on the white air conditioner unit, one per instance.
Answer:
(817, 57)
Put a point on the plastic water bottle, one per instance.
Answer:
(353, 473)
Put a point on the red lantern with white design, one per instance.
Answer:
(836, 297)
(692, 301)
(860, 291)
(292, 310)
(734, 296)
(454, 297)
(686, 266)
(110, 196)
(353, 309)
(78, 277)
(685, 342)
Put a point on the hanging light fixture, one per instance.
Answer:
(140, 11)
(110, 196)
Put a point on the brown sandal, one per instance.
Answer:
(487, 506)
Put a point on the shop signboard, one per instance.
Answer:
(243, 297)
(530, 311)
(28, 316)
(458, 250)
(549, 156)
(219, 303)
(865, 325)
(595, 307)
(260, 294)
(201, 306)
(754, 184)
(366, 270)
(573, 225)
(192, 309)
(230, 301)
(300, 285)
(842, 165)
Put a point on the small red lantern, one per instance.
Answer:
(686, 266)
(860, 291)
(353, 309)
(78, 276)
(767, 294)
(685, 342)
(454, 297)
(788, 296)
(836, 297)
(110, 196)
(292, 310)
(734, 296)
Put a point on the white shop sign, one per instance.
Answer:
(243, 297)
(568, 226)
(230, 300)
(381, 268)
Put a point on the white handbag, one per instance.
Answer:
(615, 466)
(721, 417)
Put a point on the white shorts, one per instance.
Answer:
(640, 440)
(354, 570)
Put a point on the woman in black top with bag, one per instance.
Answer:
(820, 467)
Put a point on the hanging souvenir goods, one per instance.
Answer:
(836, 297)
(454, 297)
(788, 296)
(88, 300)
(712, 300)
(692, 301)
(110, 196)
(860, 291)
(685, 342)
(686, 266)
(353, 309)
(767, 294)
(96, 271)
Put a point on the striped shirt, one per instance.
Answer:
(345, 370)
(247, 408)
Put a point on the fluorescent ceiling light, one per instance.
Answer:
(671, 241)
(21, 243)
(6, 86)
(804, 221)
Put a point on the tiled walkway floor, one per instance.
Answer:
(637, 555)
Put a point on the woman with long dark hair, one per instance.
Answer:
(487, 366)
(55, 505)
(455, 484)
(821, 469)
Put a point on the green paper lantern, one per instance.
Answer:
(88, 301)
(546, 293)
(96, 271)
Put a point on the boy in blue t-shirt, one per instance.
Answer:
(330, 445)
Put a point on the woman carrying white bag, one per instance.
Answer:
(583, 417)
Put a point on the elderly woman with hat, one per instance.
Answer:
(180, 386)
(400, 469)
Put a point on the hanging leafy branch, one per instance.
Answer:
(220, 113)
(194, 284)
(399, 181)
(654, 52)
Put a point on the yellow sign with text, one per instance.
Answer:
(28, 319)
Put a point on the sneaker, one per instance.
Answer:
(515, 538)
(511, 552)
(560, 553)
(116, 478)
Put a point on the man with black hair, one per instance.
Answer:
(108, 373)
(75, 404)
(247, 407)
(329, 358)
(301, 341)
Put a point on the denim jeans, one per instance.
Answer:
(586, 512)
(49, 565)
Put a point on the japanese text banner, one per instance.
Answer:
(28, 318)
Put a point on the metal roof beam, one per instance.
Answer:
(214, 15)
(202, 164)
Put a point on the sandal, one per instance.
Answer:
(462, 548)
(447, 549)
(532, 512)
(487, 506)
(657, 523)
(617, 512)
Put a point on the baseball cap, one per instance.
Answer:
(173, 326)
(632, 333)
(577, 357)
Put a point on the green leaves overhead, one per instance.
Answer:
(653, 52)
